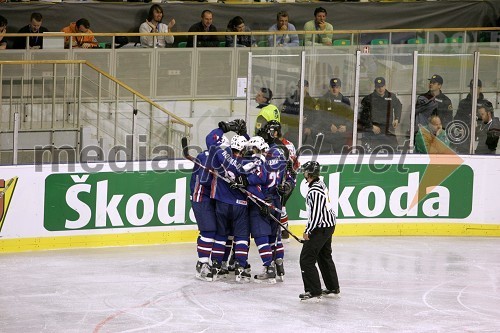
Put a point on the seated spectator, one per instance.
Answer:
(3, 31)
(319, 24)
(291, 105)
(153, 24)
(464, 114)
(487, 131)
(205, 25)
(282, 24)
(34, 27)
(237, 24)
(431, 138)
(80, 26)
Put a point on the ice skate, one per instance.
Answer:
(216, 270)
(267, 276)
(224, 271)
(242, 274)
(280, 270)
(307, 297)
(331, 293)
(203, 271)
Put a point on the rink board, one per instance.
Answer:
(102, 204)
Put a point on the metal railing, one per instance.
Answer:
(73, 95)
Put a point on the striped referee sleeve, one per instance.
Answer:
(321, 214)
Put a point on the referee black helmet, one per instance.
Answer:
(311, 169)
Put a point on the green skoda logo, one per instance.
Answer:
(115, 200)
(360, 192)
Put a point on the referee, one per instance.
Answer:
(318, 239)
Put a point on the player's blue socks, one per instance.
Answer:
(241, 250)
(265, 251)
(205, 243)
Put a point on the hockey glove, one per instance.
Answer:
(240, 182)
(264, 210)
(224, 126)
(284, 189)
(242, 126)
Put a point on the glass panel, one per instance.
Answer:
(487, 129)
(328, 113)
(442, 90)
(385, 102)
(214, 66)
(174, 73)
(276, 76)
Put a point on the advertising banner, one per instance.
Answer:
(38, 202)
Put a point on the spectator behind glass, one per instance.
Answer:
(237, 24)
(464, 114)
(34, 27)
(431, 138)
(487, 131)
(80, 26)
(319, 24)
(3, 30)
(204, 26)
(153, 25)
(434, 102)
(283, 25)
(334, 119)
(379, 118)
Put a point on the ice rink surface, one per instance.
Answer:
(388, 284)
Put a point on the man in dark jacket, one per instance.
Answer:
(434, 102)
(463, 120)
(334, 119)
(290, 110)
(35, 26)
(488, 130)
(379, 117)
(205, 25)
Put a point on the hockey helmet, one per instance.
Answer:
(268, 130)
(257, 142)
(311, 169)
(238, 142)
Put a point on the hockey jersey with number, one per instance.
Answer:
(228, 165)
(275, 166)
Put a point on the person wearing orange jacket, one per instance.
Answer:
(80, 26)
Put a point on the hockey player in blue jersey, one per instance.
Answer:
(203, 206)
(230, 208)
(275, 165)
(260, 223)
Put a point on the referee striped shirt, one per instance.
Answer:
(319, 207)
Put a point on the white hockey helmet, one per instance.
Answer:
(238, 142)
(265, 147)
(257, 142)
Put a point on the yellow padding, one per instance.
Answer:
(150, 238)
(63, 242)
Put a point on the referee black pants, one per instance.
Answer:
(318, 249)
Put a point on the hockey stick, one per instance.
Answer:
(251, 196)
(185, 153)
(280, 224)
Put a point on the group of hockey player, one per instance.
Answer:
(238, 191)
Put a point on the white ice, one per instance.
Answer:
(388, 284)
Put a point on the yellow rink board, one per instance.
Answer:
(178, 236)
